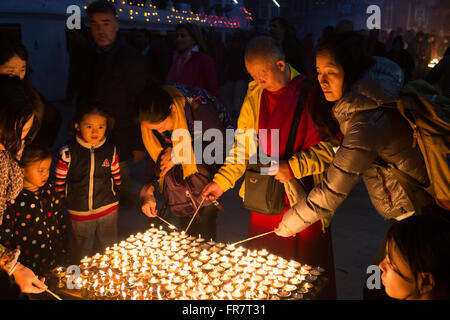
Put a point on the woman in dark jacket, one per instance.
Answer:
(358, 85)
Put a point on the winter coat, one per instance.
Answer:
(34, 222)
(88, 178)
(370, 132)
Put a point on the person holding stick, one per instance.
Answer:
(19, 122)
(270, 103)
(163, 112)
(358, 85)
(34, 221)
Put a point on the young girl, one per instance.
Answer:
(34, 221)
(88, 177)
(417, 262)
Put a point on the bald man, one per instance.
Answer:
(270, 104)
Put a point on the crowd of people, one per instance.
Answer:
(133, 91)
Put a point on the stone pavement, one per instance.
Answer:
(357, 228)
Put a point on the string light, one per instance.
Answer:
(175, 16)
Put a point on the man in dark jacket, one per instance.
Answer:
(112, 79)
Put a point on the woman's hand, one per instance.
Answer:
(284, 173)
(28, 281)
(166, 162)
(291, 224)
(149, 206)
(284, 231)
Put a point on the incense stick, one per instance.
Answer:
(258, 236)
(54, 295)
(192, 219)
(170, 225)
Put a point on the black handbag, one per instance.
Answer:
(264, 194)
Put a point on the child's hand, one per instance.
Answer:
(166, 162)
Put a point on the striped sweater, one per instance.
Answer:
(88, 177)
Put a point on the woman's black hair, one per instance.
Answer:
(321, 115)
(349, 49)
(350, 52)
(424, 244)
(34, 152)
(154, 105)
(18, 103)
(9, 48)
(91, 108)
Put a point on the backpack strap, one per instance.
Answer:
(296, 120)
(405, 180)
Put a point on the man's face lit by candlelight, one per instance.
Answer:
(268, 73)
